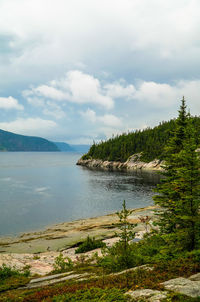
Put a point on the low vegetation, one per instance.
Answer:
(11, 278)
(90, 244)
(92, 294)
(62, 264)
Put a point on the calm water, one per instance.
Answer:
(38, 189)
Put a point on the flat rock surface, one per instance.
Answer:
(144, 267)
(55, 280)
(64, 235)
(39, 249)
(183, 286)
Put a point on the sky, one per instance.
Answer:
(82, 71)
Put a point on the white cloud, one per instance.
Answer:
(106, 119)
(54, 110)
(30, 126)
(117, 90)
(89, 115)
(80, 88)
(161, 95)
(10, 103)
(84, 88)
(102, 35)
(49, 92)
(155, 41)
(110, 120)
(110, 131)
(35, 101)
(76, 87)
(165, 95)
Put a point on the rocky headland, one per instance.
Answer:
(133, 163)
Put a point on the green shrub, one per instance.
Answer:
(151, 250)
(7, 272)
(85, 156)
(11, 278)
(62, 264)
(115, 260)
(195, 255)
(90, 244)
(94, 295)
(121, 255)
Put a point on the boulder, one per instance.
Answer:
(195, 277)
(183, 286)
(147, 295)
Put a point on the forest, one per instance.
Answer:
(150, 142)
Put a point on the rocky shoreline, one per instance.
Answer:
(68, 234)
(132, 164)
(41, 264)
(39, 249)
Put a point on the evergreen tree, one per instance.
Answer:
(179, 191)
(126, 228)
(168, 195)
(188, 185)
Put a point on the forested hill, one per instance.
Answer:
(14, 142)
(150, 142)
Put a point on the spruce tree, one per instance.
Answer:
(168, 195)
(179, 191)
(188, 186)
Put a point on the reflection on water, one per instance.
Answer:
(38, 189)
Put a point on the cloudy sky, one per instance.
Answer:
(78, 71)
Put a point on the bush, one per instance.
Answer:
(121, 255)
(90, 244)
(195, 255)
(94, 295)
(11, 278)
(85, 156)
(61, 265)
(7, 272)
(115, 260)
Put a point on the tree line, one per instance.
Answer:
(150, 142)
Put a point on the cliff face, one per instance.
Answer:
(133, 163)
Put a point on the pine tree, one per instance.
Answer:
(168, 195)
(188, 185)
(126, 228)
(179, 191)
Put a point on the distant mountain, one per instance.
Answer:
(15, 142)
(64, 147)
(81, 148)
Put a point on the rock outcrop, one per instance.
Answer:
(133, 163)
(146, 295)
(184, 286)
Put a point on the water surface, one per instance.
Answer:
(42, 188)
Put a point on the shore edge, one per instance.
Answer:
(132, 164)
